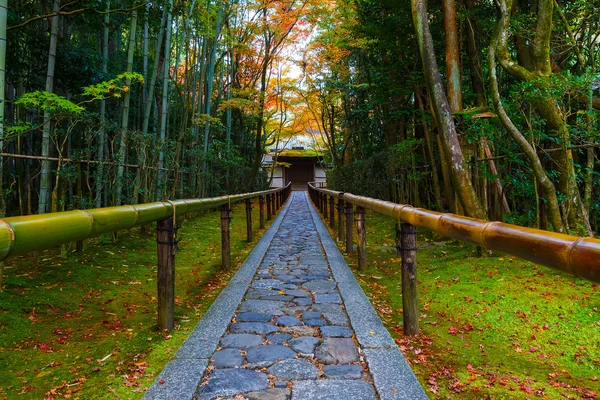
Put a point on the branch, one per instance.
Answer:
(571, 35)
(504, 57)
(77, 11)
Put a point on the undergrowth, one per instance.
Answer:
(492, 327)
(85, 326)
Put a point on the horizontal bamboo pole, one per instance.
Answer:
(577, 255)
(69, 160)
(20, 235)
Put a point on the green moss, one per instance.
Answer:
(85, 326)
(492, 327)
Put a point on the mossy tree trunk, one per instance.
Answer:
(443, 114)
(539, 66)
(536, 164)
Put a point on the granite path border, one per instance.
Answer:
(181, 376)
(392, 376)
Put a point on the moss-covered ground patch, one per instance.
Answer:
(85, 326)
(493, 327)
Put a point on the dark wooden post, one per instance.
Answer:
(361, 239)
(79, 246)
(249, 220)
(332, 212)
(261, 211)
(269, 212)
(349, 228)
(406, 245)
(325, 206)
(225, 239)
(273, 208)
(278, 200)
(165, 235)
(340, 210)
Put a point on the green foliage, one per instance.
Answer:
(381, 176)
(49, 102)
(65, 315)
(229, 171)
(491, 327)
(113, 88)
(245, 105)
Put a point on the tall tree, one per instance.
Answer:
(46, 172)
(101, 131)
(121, 155)
(3, 17)
(535, 66)
(538, 169)
(443, 114)
(160, 172)
(453, 71)
(210, 76)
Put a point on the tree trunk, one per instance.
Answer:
(453, 78)
(122, 153)
(155, 71)
(45, 175)
(430, 153)
(3, 16)
(473, 33)
(540, 68)
(209, 87)
(160, 172)
(538, 169)
(101, 133)
(443, 114)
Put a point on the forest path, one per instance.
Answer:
(292, 323)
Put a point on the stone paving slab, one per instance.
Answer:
(178, 380)
(182, 375)
(292, 325)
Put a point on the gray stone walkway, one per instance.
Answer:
(304, 330)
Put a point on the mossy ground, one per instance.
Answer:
(492, 327)
(85, 326)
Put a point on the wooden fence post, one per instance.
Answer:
(269, 213)
(340, 210)
(349, 228)
(166, 247)
(79, 246)
(361, 239)
(225, 239)
(406, 245)
(261, 211)
(320, 202)
(331, 212)
(325, 206)
(273, 209)
(278, 200)
(249, 220)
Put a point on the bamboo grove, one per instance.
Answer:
(486, 108)
(482, 108)
(119, 102)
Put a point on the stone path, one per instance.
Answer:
(298, 333)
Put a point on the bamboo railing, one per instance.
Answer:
(21, 235)
(579, 256)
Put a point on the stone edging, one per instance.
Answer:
(392, 376)
(181, 376)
